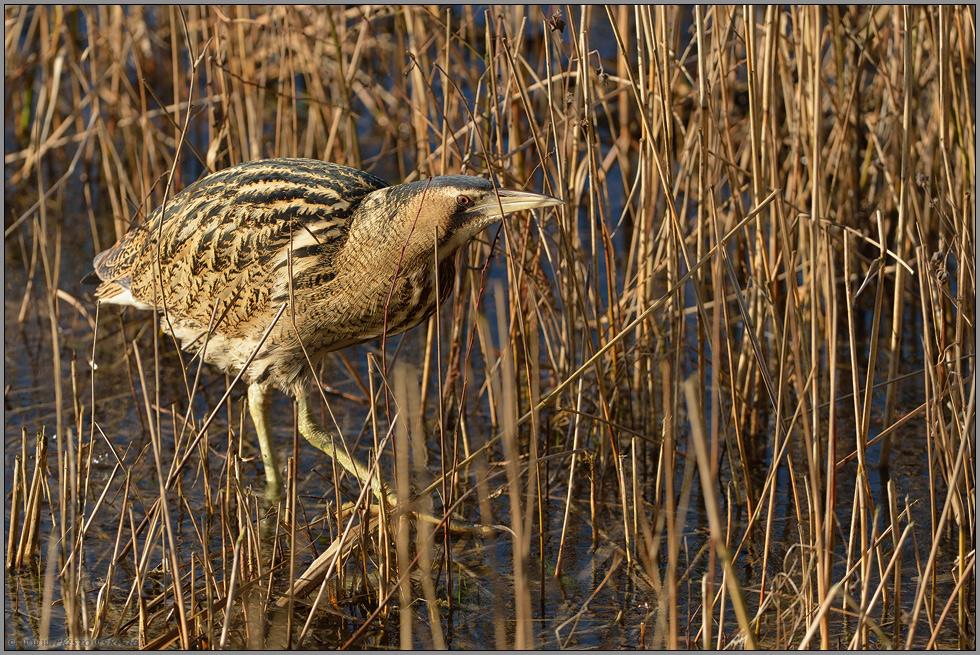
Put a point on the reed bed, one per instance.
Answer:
(724, 397)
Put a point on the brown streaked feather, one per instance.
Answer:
(218, 237)
(354, 257)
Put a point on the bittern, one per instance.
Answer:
(266, 267)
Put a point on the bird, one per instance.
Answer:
(264, 268)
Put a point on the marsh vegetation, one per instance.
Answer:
(724, 396)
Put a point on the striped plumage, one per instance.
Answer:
(358, 257)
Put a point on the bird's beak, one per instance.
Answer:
(509, 202)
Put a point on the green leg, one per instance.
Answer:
(258, 407)
(319, 437)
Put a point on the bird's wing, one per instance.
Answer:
(221, 241)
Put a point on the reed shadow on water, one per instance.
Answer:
(722, 396)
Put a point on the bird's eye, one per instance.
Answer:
(463, 201)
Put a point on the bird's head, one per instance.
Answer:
(449, 210)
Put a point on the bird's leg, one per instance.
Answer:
(319, 437)
(258, 407)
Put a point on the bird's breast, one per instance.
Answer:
(359, 301)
